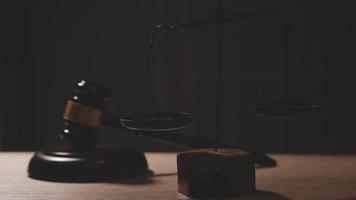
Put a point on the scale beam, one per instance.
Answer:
(226, 19)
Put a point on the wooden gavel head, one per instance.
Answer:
(83, 113)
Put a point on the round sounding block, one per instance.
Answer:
(90, 166)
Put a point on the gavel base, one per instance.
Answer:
(98, 164)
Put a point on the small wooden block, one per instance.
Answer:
(225, 173)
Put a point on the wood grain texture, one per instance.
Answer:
(297, 177)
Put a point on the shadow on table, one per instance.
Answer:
(145, 179)
(263, 195)
(351, 198)
(259, 195)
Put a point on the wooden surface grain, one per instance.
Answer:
(297, 177)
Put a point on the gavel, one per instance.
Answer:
(86, 112)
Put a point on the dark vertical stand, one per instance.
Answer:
(220, 23)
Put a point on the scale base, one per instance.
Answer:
(98, 164)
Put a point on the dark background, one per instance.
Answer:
(47, 45)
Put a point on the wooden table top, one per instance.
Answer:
(300, 177)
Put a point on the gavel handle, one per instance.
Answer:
(187, 141)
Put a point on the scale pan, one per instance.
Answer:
(162, 121)
(289, 109)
